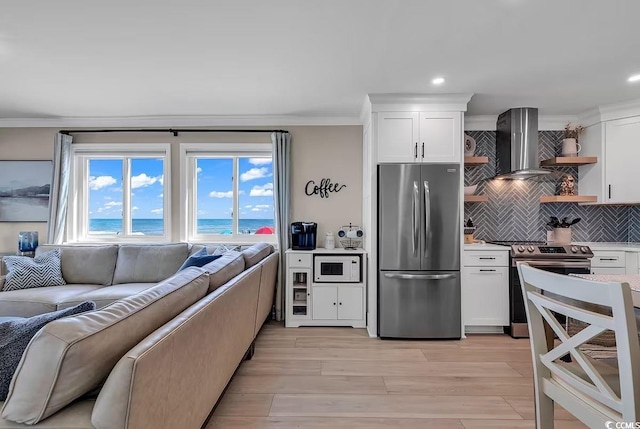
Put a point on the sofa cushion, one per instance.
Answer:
(148, 263)
(72, 356)
(256, 253)
(85, 264)
(31, 302)
(224, 269)
(106, 295)
(199, 259)
(16, 334)
(41, 271)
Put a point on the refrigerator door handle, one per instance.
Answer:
(415, 215)
(406, 276)
(427, 217)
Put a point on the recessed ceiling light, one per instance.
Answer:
(438, 81)
(634, 78)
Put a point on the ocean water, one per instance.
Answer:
(155, 226)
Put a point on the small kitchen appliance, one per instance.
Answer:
(350, 236)
(303, 235)
(337, 269)
(556, 258)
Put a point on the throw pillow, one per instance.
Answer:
(199, 259)
(24, 272)
(222, 249)
(15, 336)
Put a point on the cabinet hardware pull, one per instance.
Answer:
(334, 303)
(415, 151)
(340, 303)
(486, 270)
(608, 259)
(609, 191)
(486, 257)
(423, 150)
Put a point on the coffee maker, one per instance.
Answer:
(303, 235)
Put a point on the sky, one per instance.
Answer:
(214, 188)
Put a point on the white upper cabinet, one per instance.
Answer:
(398, 136)
(613, 179)
(419, 136)
(440, 136)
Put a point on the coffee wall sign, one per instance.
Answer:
(324, 188)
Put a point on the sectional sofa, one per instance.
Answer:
(158, 352)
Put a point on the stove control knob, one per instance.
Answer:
(584, 249)
(530, 249)
(521, 249)
(574, 249)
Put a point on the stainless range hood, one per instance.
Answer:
(517, 144)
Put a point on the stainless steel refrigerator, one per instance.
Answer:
(419, 251)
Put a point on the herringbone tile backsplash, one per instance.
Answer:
(514, 212)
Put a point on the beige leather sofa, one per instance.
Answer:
(164, 354)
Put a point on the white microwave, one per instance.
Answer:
(337, 269)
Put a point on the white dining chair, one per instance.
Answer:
(594, 392)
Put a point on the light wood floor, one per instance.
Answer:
(339, 378)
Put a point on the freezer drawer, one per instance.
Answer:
(419, 304)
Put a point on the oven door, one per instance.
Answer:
(517, 312)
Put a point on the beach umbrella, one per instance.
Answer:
(265, 230)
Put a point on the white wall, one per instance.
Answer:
(317, 152)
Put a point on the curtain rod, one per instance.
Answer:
(173, 131)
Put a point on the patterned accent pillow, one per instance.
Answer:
(24, 272)
(224, 248)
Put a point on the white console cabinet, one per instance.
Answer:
(323, 304)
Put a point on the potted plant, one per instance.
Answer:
(570, 146)
(562, 229)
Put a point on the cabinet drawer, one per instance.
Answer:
(299, 260)
(608, 259)
(611, 270)
(477, 258)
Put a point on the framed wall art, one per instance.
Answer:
(25, 187)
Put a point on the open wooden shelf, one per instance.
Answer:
(475, 160)
(475, 198)
(562, 161)
(568, 199)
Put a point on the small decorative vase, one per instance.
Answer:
(562, 235)
(27, 243)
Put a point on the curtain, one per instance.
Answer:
(58, 197)
(282, 205)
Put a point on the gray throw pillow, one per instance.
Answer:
(24, 272)
(15, 335)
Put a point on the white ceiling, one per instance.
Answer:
(310, 58)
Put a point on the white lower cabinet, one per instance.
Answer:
(485, 290)
(487, 296)
(608, 262)
(337, 302)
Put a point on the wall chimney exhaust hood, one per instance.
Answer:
(517, 144)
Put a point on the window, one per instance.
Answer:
(228, 189)
(120, 193)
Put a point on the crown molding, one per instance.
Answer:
(419, 102)
(178, 121)
(365, 112)
(545, 122)
(609, 112)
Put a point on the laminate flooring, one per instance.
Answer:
(339, 378)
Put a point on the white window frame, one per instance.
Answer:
(189, 152)
(78, 214)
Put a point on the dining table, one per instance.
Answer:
(634, 283)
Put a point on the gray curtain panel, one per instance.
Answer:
(58, 198)
(282, 201)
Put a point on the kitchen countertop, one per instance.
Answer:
(486, 247)
(623, 247)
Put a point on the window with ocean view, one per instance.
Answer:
(232, 193)
(121, 193)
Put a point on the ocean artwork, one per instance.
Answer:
(24, 190)
(205, 226)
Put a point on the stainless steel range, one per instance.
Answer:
(557, 258)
